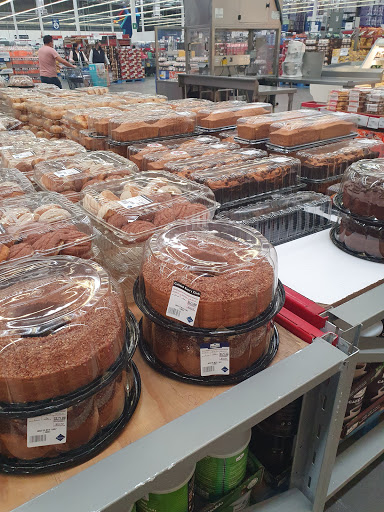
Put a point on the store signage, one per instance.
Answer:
(219, 12)
(55, 24)
(23, 36)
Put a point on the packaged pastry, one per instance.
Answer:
(13, 183)
(20, 81)
(220, 115)
(9, 138)
(120, 148)
(136, 152)
(150, 124)
(333, 159)
(69, 176)
(24, 155)
(187, 167)
(78, 118)
(98, 119)
(138, 97)
(8, 123)
(362, 189)
(128, 211)
(284, 217)
(246, 180)
(257, 127)
(296, 132)
(158, 159)
(227, 272)
(91, 141)
(44, 224)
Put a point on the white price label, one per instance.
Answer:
(381, 122)
(373, 122)
(344, 52)
(66, 172)
(214, 359)
(47, 430)
(25, 154)
(219, 12)
(6, 147)
(183, 303)
(363, 120)
(133, 202)
(281, 159)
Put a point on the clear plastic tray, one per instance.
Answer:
(158, 159)
(256, 128)
(98, 119)
(210, 275)
(69, 176)
(13, 183)
(284, 217)
(191, 104)
(244, 181)
(8, 123)
(129, 211)
(68, 324)
(78, 118)
(24, 155)
(332, 160)
(150, 124)
(91, 141)
(9, 138)
(187, 168)
(136, 152)
(358, 238)
(362, 189)
(20, 81)
(225, 114)
(296, 132)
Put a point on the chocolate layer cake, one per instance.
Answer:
(181, 352)
(231, 267)
(360, 237)
(61, 326)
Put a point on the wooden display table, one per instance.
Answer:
(162, 400)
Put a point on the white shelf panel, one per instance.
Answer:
(290, 501)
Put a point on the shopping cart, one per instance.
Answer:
(77, 77)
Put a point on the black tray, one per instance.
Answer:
(211, 380)
(155, 139)
(338, 204)
(344, 248)
(289, 149)
(267, 315)
(50, 405)
(251, 142)
(201, 129)
(84, 453)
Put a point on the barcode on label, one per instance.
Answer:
(37, 439)
(207, 369)
(174, 311)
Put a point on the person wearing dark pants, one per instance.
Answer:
(48, 57)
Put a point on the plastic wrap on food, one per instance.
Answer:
(8, 123)
(138, 97)
(91, 141)
(12, 137)
(20, 81)
(362, 189)
(220, 115)
(333, 159)
(129, 211)
(13, 183)
(149, 125)
(136, 152)
(78, 118)
(284, 217)
(158, 159)
(69, 176)
(257, 127)
(229, 273)
(191, 104)
(240, 182)
(187, 168)
(296, 132)
(375, 102)
(98, 119)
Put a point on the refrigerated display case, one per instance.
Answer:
(170, 60)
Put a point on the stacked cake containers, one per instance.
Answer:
(360, 225)
(67, 381)
(129, 211)
(208, 293)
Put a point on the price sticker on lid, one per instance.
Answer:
(25, 154)
(47, 430)
(134, 202)
(66, 172)
(183, 303)
(214, 359)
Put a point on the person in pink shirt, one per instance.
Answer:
(48, 57)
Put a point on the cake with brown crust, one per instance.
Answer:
(236, 285)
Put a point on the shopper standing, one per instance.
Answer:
(76, 55)
(48, 57)
(98, 56)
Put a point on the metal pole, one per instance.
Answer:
(14, 19)
(39, 8)
(112, 24)
(182, 14)
(76, 13)
(133, 18)
(142, 15)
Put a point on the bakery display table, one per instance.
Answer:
(162, 400)
(243, 83)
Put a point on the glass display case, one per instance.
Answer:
(170, 60)
(375, 57)
(197, 55)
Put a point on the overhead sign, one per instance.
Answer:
(55, 24)
(134, 26)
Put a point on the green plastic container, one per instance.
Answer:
(225, 468)
(173, 492)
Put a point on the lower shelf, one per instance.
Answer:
(290, 501)
(356, 458)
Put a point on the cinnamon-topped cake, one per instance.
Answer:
(62, 325)
(230, 268)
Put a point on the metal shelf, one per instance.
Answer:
(356, 458)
